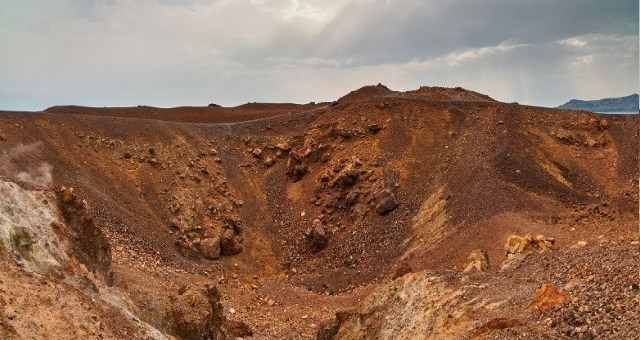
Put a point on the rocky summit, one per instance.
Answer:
(428, 214)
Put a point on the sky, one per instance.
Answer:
(195, 52)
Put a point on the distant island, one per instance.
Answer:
(622, 104)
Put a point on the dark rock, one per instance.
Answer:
(319, 236)
(351, 198)
(229, 243)
(346, 178)
(375, 128)
(386, 202)
(233, 222)
(295, 169)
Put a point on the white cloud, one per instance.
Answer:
(455, 58)
(574, 42)
(583, 61)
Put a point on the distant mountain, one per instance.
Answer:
(622, 104)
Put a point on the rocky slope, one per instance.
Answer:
(265, 220)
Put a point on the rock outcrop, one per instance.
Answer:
(87, 241)
(196, 314)
(521, 244)
(399, 310)
(478, 260)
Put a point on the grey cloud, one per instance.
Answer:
(391, 31)
(170, 52)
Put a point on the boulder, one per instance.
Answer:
(386, 202)
(295, 169)
(317, 234)
(210, 248)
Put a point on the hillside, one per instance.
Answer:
(342, 220)
(622, 104)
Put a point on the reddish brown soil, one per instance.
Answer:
(466, 172)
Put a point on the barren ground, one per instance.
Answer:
(265, 220)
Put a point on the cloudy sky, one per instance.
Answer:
(195, 52)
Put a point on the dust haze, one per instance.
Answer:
(22, 163)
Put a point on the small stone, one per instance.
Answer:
(374, 128)
(581, 244)
(11, 314)
(269, 161)
(551, 322)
